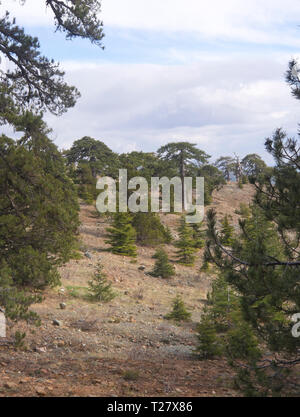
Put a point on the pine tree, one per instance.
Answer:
(162, 267)
(179, 312)
(39, 215)
(99, 287)
(149, 229)
(226, 231)
(198, 235)
(265, 285)
(208, 344)
(185, 244)
(122, 236)
(31, 80)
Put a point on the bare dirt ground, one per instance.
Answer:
(124, 347)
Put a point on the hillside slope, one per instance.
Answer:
(124, 347)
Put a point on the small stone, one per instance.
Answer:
(142, 268)
(62, 306)
(9, 385)
(40, 391)
(40, 349)
(24, 381)
(56, 323)
(88, 255)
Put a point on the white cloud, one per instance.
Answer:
(252, 21)
(223, 101)
(144, 106)
(258, 21)
(33, 12)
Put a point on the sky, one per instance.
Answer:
(208, 72)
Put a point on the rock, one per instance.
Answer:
(62, 290)
(10, 385)
(41, 391)
(88, 255)
(40, 349)
(142, 268)
(62, 306)
(56, 322)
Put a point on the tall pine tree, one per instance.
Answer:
(122, 236)
(162, 267)
(185, 244)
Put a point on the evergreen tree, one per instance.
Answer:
(149, 229)
(226, 232)
(179, 312)
(162, 267)
(39, 214)
(32, 80)
(168, 235)
(185, 244)
(198, 235)
(185, 157)
(93, 155)
(266, 286)
(122, 236)
(99, 287)
(226, 165)
(208, 344)
(205, 266)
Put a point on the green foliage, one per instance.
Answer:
(205, 267)
(94, 158)
(244, 211)
(32, 80)
(77, 291)
(183, 155)
(122, 236)
(162, 267)
(168, 235)
(222, 329)
(99, 287)
(185, 244)
(19, 343)
(179, 312)
(213, 180)
(226, 232)
(253, 165)
(226, 165)
(131, 375)
(39, 215)
(266, 290)
(144, 164)
(149, 229)
(198, 235)
(208, 346)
